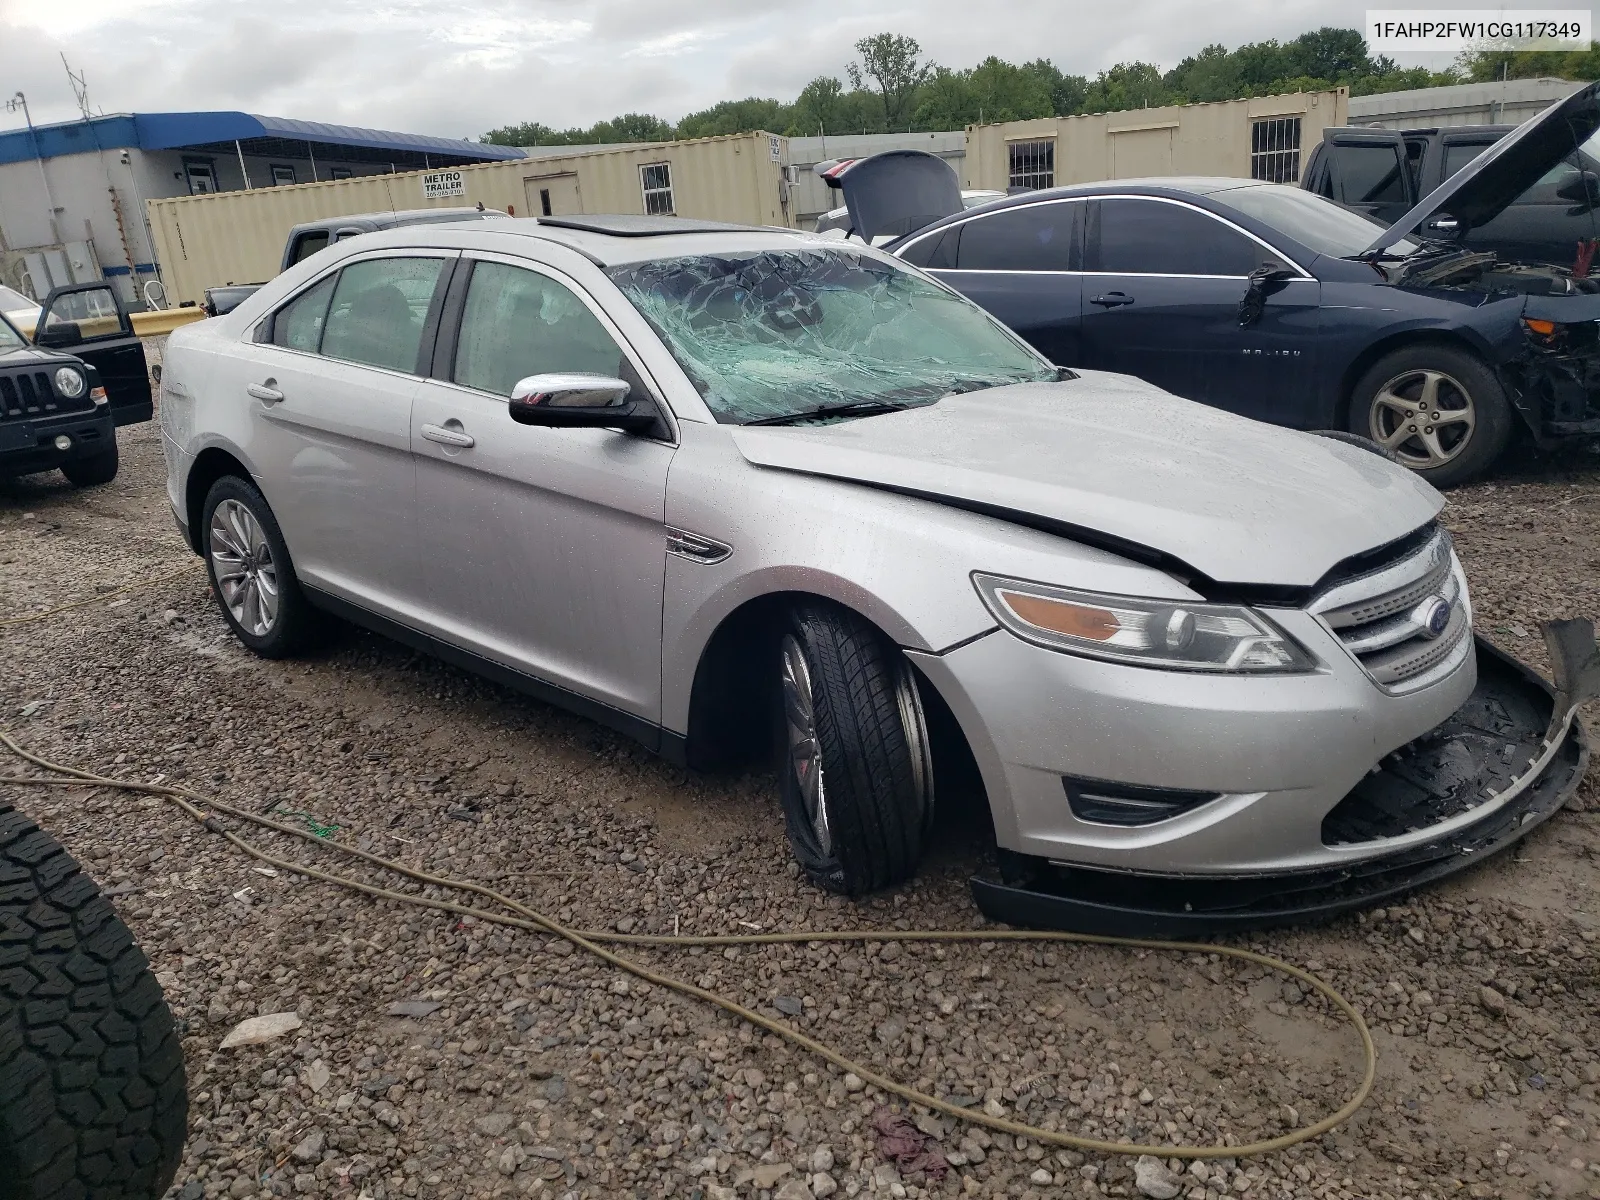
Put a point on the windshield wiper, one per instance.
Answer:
(856, 408)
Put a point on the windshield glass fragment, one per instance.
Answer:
(777, 333)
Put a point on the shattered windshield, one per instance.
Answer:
(772, 334)
(10, 339)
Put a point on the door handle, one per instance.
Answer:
(448, 437)
(266, 392)
(1112, 300)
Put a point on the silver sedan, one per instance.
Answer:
(741, 492)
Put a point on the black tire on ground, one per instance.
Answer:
(869, 739)
(93, 1104)
(92, 469)
(1460, 380)
(296, 626)
(1356, 439)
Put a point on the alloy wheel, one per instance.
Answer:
(805, 754)
(1424, 417)
(241, 561)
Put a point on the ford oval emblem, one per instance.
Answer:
(1432, 616)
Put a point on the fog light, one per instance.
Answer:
(63, 442)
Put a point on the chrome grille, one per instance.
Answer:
(1379, 617)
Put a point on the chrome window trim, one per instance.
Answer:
(1191, 206)
(627, 347)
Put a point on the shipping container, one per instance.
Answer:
(1267, 137)
(238, 237)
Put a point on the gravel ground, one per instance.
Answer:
(526, 1069)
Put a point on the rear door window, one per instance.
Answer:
(309, 243)
(1032, 237)
(1369, 174)
(1152, 237)
(378, 311)
(298, 325)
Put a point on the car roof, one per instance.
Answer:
(605, 240)
(393, 219)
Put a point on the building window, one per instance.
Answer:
(281, 175)
(1275, 150)
(339, 173)
(1031, 164)
(657, 181)
(202, 179)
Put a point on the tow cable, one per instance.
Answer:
(203, 809)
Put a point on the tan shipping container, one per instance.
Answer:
(238, 237)
(1185, 139)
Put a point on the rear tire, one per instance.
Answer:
(92, 470)
(856, 773)
(252, 575)
(1439, 409)
(93, 1104)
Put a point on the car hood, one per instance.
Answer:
(1114, 461)
(34, 356)
(1480, 191)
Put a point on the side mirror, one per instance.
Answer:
(1265, 278)
(573, 400)
(59, 333)
(1584, 189)
(1442, 227)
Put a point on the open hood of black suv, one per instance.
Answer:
(1482, 189)
(895, 192)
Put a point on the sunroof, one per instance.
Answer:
(625, 225)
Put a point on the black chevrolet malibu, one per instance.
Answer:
(1272, 302)
(63, 394)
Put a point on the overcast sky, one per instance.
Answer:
(456, 69)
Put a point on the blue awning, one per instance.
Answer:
(173, 131)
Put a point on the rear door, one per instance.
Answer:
(1023, 265)
(88, 320)
(329, 391)
(1161, 301)
(1366, 171)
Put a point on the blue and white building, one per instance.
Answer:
(72, 195)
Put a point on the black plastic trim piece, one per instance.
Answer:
(646, 733)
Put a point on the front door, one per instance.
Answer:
(1161, 301)
(545, 548)
(552, 195)
(89, 320)
(1366, 171)
(330, 398)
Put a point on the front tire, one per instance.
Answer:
(93, 1103)
(857, 776)
(252, 575)
(1439, 410)
(92, 470)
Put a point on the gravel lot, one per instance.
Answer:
(537, 1072)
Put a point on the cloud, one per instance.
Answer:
(459, 67)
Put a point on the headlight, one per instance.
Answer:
(1145, 633)
(70, 382)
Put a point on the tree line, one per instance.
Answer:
(892, 88)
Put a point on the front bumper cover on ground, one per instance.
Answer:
(1515, 734)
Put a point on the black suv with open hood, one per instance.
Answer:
(63, 394)
(1273, 302)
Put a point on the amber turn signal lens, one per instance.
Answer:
(1073, 620)
(1538, 325)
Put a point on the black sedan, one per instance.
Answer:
(1272, 302)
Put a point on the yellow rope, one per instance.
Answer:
(26, 618)
(195, 805)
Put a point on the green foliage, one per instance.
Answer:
(891, 88)
(1486, 65)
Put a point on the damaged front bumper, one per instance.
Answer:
(1504, 762)
(1555, 382)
